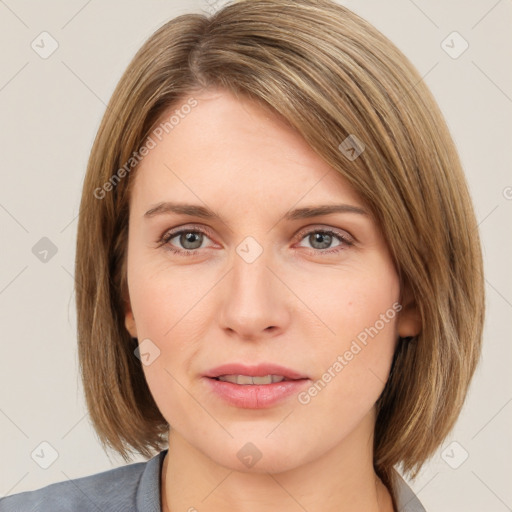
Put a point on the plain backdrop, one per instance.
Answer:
(50, 109)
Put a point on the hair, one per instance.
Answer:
(329, 74)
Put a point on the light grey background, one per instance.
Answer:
(50, 110)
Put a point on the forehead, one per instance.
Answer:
(227, 147)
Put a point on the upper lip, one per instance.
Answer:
(259, 370)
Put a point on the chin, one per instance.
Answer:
(261, 455)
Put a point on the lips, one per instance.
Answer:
(254, 387)
(231, 370)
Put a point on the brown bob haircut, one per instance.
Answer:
(329, 74)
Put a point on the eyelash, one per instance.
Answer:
(169, 235)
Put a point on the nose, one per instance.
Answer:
(255, 303)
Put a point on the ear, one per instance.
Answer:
(409, 319)
(129, 320)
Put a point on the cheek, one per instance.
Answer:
(353, 303)
(163, 299)
(354, 356)
(168, 306)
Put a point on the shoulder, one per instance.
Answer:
(128, 488)
(116, 487)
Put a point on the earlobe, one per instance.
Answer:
(409, 322)
(129, 319)
(129, 322)
(409, 319)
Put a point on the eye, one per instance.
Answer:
(322, 239)
(187, 240)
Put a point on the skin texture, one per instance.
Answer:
(295, 305)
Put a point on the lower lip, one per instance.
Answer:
(256, 396)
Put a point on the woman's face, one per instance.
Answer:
(266, 281)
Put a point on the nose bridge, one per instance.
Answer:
(250, 275)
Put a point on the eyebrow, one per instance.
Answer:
(296, 214)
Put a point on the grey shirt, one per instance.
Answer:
(131, 488)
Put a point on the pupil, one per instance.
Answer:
(318, 237)
(188, 238)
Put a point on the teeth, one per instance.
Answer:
(246, 379)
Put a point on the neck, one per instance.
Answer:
(342, 479)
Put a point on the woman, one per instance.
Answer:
(278, 271)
